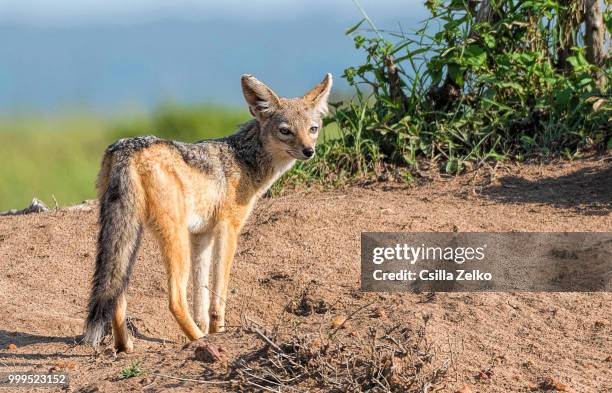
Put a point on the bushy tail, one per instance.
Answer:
(118, 241)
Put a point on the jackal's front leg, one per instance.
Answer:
(201, 256)
(226, 238)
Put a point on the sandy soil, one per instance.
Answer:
(495, 342)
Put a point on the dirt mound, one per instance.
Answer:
(296, 315)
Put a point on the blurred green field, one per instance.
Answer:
(58, 156)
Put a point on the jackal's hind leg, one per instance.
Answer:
(123, 342)
(176, 250)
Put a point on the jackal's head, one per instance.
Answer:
(289, 126)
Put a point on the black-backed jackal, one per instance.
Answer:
(195, 197)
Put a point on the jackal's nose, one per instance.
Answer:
(308, 152)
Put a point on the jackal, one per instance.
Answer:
(195, 197)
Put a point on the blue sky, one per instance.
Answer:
(61, 12)
(113, 56)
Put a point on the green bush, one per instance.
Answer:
(133, 370)
(456, 90)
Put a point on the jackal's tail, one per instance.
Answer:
(118, 241)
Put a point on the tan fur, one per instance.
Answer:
(197, 207)
(102, 180)
(123, 342)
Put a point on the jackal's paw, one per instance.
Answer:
(127, 347)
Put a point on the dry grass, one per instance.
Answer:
(393, 358)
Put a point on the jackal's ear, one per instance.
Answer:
(261, 99)
(319, 95)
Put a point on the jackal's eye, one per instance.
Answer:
(284, 131)
(314, 129)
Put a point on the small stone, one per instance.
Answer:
(11, 347)
(66, 364)
(379, 313)
(210, 353)
(338, 322)
(464, 389)
(550, 383)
